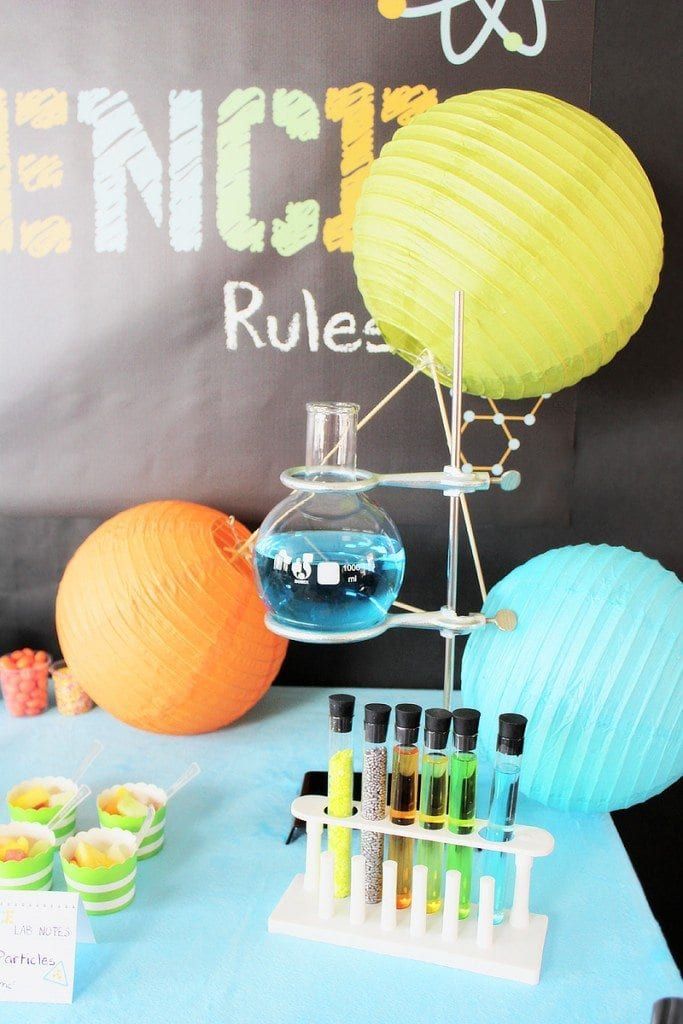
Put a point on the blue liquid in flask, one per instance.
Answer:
(329, 580)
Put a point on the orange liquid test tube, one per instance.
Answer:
(403, 810)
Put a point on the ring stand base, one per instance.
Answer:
(515, 955)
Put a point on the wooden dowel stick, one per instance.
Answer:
(473, 547)
(408, 607)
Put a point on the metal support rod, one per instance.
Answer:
(454, 502)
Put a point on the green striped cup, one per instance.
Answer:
(32, 872)
(102, 890)
(53, 784)
(144, 792)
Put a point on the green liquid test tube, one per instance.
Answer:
(433, 800)
(340, 788)
(462, 799)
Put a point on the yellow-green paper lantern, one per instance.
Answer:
(538, 211)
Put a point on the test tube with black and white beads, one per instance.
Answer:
(374, 796)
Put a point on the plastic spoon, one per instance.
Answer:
(93, 753)
(191, 772)
(81, 794)
(144, 829)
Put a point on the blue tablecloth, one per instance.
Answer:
(194, 947)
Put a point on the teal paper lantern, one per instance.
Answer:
(596, 665)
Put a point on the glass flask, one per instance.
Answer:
(330, 561)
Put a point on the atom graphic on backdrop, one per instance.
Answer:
(492, 15)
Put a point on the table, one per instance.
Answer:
(194, 947)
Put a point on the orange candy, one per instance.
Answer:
(15, 855)
(23, 678)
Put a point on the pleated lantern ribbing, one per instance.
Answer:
(160, 620)
(538, 211)
(596, 665)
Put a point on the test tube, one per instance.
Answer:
(434, 800)
(403, 810)
(374, 795)
(462, 799)
(503, 806)
(340, 788)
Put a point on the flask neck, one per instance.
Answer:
(331, 434)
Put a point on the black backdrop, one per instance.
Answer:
(627, 486)
(616, 438)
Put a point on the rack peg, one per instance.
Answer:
(487, 887)
(389, 881)
(519, 915)
(357, 902)
(314, 831)
(418, 907)
(326, 893)
(451, 906)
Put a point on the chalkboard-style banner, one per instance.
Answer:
(177, 190)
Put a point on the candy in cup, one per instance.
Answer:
(125, 807)
(101, 866)
(23, 678)
(38, 800)
(71, 699)
(26, 856)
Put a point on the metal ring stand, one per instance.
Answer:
(453, 482)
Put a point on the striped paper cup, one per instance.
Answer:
(154, 839)
(53, 784)
(103, 890)
(32, 872)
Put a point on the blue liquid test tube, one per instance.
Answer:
(503, 806)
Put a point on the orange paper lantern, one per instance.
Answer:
(160, 620)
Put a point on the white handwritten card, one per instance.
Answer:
(37, 946)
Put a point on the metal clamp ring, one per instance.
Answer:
(303, 478)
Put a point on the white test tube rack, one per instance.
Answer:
(512, 949)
